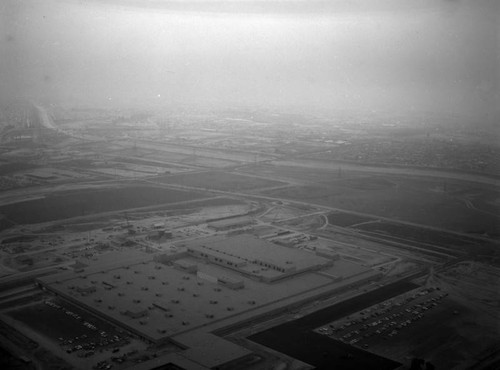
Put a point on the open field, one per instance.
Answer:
(145, 162)
(452, 204)
(219, 180)
(427, 239)
(34, 261)
(412, 206)
(170, 209)
(227, 155)
(344, 219)
(67, 204)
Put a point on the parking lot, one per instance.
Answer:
(385, 320)
(94, 335)
(77, 332)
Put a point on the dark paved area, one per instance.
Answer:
(296, 338)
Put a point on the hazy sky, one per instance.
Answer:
(376, 54)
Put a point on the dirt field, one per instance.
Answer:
(346, 219)
(220, 181)
(34, 261)
(69, 204)
(454, 205)
(432, 241)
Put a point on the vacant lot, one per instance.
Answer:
(431, 240)
(219, 180)
(33, 261)
(346, 219)
(67, 204)
(416, 234)
(455, 205)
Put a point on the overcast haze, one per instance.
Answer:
(415, 55)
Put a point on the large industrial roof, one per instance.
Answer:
(249, 247)
(175, 301)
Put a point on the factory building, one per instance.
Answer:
(256, 257)
(210, 284)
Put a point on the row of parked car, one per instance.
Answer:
(385, 320)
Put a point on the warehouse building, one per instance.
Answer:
(256, 257)
(210, 284)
